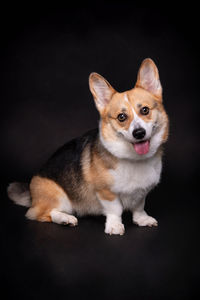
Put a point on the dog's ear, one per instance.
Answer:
(101, 90)
(148, 78)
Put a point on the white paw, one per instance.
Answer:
(71, 220)
(145, 220)
(114, 227)
(63, 218)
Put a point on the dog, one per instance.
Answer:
(109, 169)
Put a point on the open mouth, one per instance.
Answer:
(142, 148)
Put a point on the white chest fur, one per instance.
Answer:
(130, 176)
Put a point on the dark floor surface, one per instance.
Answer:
(46, 58)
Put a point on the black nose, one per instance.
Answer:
(139, 133)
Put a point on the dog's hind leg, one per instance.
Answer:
(63, 218)
(50, 203)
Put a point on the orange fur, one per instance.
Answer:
(137, 98)
(116, 106)
(45, 195)
(140, 98)
(106, 194)
(107, 165)
(96, 168)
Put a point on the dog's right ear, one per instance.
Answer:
(101, 90)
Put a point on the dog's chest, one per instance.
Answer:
(130, 176)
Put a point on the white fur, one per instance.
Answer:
(111, 207)
(65, 205)
(113, 211)
(126, 98)
(120, 148)
(62, 214)
(18, 194)
(137, 123)
(142, 219)
(114, 225)
(132, 181)
(63, 218)
(123, 148)
(132, 175)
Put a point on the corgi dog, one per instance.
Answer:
(109, 169)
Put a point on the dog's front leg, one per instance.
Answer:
(140, 217)
(112, 209)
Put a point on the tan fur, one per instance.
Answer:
(137, 98)
(114, 108)
(109, 168)
(145, 93)
(166, 132)
(106, 195)
(45, 195)
(96, 168)
(110, 123)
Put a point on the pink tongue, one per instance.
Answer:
(141, 148)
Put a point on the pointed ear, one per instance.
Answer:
(101, 90)
(148, 78)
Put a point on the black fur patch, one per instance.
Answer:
(64, 167)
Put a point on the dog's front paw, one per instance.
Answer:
(114, 226)
(144, 220)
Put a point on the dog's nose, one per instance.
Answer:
(139, 133)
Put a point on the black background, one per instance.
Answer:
(46, 58)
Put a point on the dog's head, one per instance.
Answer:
(134, 123)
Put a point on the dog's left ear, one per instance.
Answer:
(148, 78)
(101, 90)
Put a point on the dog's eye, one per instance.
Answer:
(144, 110)
(122, 117)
